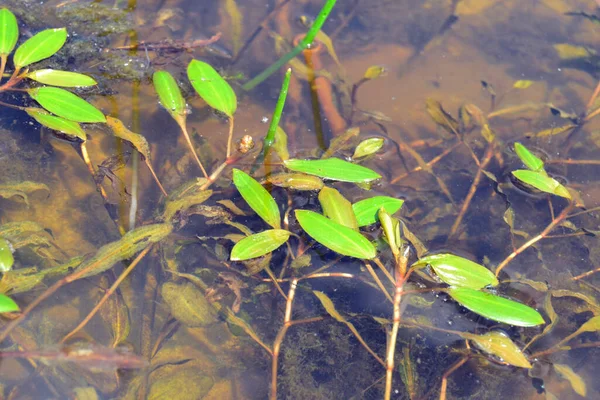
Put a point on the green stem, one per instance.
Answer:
(310, 36)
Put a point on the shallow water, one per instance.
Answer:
(454, 52)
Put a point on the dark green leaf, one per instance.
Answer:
(257, 198)
(333, 168)
(7, 304)
(6, 257)
(542, 182)
(40, 46)
(58, 124)
(212, 87)
(499, 345)
(66, 105)
(259, 244)
(9, 31)
(529, 159)
(496, 308)
(459, 271)
(61, 78)
(366, 210)
(334, 236)
(368, 147)
(169, 93)
(337, 208)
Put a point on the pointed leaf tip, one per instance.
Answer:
(257, 197)
(168, 93)
(9, 31)
(40, 46)
(212, 87)
(259, 244)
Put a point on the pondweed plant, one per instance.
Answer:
(364, 230)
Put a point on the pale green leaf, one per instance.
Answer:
(333, 168)
(334, 236)
(530, 160)
(7, 304)
(259, 244)
(296, 181)
(9, 31)
(337, 208)
(169, 93)
(6, 257)
(542, 182)
(212, 87)
(58, 124)
(40, 46)
(66, 105)
(459, 271)
(366, 210)
(258, 198)
(499, 345)
(61, 78)
(368, 147)
(281, 144)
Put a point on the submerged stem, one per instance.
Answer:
(181, 122)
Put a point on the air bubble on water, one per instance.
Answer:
(264, 120)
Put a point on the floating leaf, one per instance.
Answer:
(496, 308)
(259, 244)
(522, 84)
(6, 257)
(337, 208)
(333, 168)
(58, 124)
(366, 210)
(576, 381)
(499, 345)
(531, 161)
(374, 72)
(296, 181)
(169, 93)
(440, 116)
(334, 236)
(9, 32)
(61, 78)
(188, 304)
(7, 304)
(40, 46)
(459, 271)
(368, 147)
(257, 198)
(542, 182)
(66, 105)
(212, 87)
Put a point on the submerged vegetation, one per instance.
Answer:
(302, 273)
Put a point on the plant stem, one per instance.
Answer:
(449, 372)
(310, 36)
(378, 281)
(135, 170)
(162, 189)
(230, 137)
(181, 122)
(281, 335)
(3, 59)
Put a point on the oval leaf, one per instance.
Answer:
(499, 345)
(296, 181)
(333, 168)
(9, 31)
(257, 198)
(66, 105)
(528, 158)
(334, 236)
(459, 271)
(212, 87)
(259, 244)
(337, 208)
(40, 46)
(542, 182)
(6, 257)
(58, 124)
(169, 93)
(368, 147)
(7, 304)
(61, 78)
(496, 308)
(366, 210)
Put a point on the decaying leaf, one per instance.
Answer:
(115, 314)
(554, 131)
(341, 142)
(296, 181)
(188, 304)
(182, 204)
(498, 344)
(179, 381)
(21, 189)
(441, 117)
(236, 23)
(570, 52)
(302, 261)
(577, 383)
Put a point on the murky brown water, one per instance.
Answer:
(449, 51)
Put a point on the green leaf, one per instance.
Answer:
(169, 93)
(542, 182)
(368, 147)
(459, 271)
(523, 84)
(529, 159)
(66, 105)
(576, 381)
(259, 244)
(40, 46)
(334, 236)
(391, 229)
(496, 308)
(9, 31)
(58, 124)
(61, 78)
(296, 181)
(499, 345)
(7, 304)
(333, 168)
(366, 210)
(337, 208)
(281, 144)
(212, 87)
(273, 127)
(6, 257)
(257, 198)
